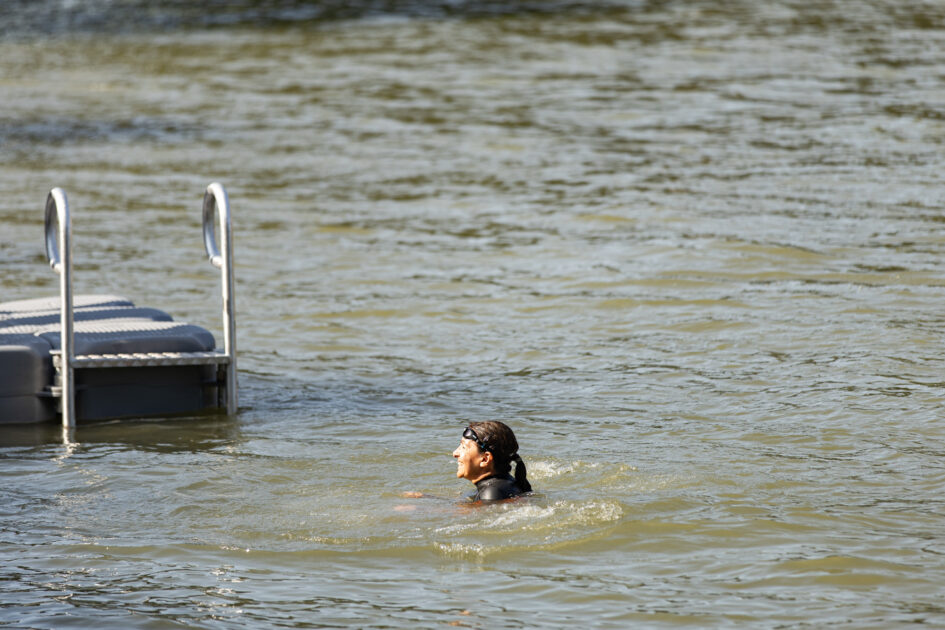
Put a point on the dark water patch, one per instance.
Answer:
(99, 439)
(19, 18)
(60, 131)
(916, 110)
(28, 18)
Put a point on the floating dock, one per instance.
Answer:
(92, 357)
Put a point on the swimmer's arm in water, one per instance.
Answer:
(415, 495)
(419, 495)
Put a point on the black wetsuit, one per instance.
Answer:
(495, 489)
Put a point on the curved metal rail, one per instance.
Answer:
(59, 252)
(215, 198)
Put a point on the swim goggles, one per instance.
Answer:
(469, 434)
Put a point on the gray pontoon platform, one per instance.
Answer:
(100, 356)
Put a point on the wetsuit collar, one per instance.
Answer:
(485, 479)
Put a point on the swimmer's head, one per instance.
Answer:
(497, 438)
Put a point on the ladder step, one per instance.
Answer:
(144, 359)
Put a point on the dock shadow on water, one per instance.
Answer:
(693, 253)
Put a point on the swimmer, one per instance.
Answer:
(485, 455)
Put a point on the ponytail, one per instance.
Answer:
(520, 474)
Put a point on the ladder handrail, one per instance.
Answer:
(60, 259)
(58, 226)
(215, 198)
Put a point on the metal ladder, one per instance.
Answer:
(65, 361)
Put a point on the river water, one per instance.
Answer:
(692, 252)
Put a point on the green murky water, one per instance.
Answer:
(691, 251)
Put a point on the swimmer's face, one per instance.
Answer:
(470, 461)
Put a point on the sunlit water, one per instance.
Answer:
(692, 252)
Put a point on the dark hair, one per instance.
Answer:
(499, 440)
